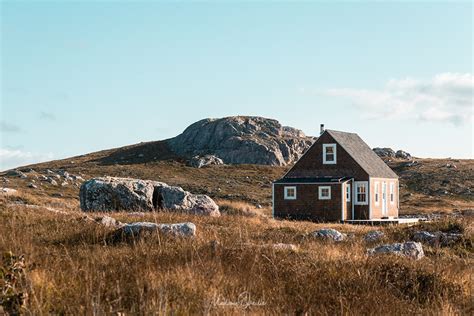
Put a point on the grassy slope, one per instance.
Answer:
(72, 269)
(423, 185)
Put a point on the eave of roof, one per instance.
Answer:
(313, 180)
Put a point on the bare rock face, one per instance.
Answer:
(242, 140)
(110, 194)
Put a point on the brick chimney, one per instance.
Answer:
(321, 129)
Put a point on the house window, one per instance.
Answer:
(361, 192)
(325, 193)
(290, 193)
(377, 186)
(348, 193)
(329, 154)
(392, 194)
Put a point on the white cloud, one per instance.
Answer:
(447, 97)
(11, 158)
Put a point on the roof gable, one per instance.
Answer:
(362, 154)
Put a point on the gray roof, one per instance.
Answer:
(362, 154)
(313, 180)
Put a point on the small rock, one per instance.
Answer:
(281, 246)
(139, 228)
(8, 191)
(32, 185)
(329, 234)
(413, 250)
(55, 194)
(108, 221)
(42, 178)
(374, 236)
(52, 181)
(64, 183)
(258, 206)
(204, 161)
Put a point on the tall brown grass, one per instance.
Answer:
(73, 268)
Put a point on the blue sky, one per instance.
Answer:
(77, 77)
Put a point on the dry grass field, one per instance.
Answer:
(58, 263)
(72, 267)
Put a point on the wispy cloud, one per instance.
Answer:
(9, 128)
(447, 97)
(11, 158)
(48, 116)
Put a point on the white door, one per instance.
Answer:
(384, 199)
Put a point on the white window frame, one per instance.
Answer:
(320, 192)
(377, 193)
(334, 147)
(358, 184)
(348, 192)
(392, 193)
(287, 197)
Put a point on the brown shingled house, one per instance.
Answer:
(339, 178)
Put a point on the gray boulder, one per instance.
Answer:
(175, 198)
(437, 238)
(374, 236)
(413, 250)
(110, 194)
(16, 173)
(242, 140)
(204, 161)
(384, 152)
(329, 234)
(138, 229)
(402, 155)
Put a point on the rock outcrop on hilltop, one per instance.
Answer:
(124, 194)
(390, 153)
(242, 140)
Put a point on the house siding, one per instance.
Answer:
(377, 208)
(307, 204)
(311, 163)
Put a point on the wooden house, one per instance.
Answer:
(339, 178)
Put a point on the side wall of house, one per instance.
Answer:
(307, 204)
(377, 206)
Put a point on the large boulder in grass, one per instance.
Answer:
(139, 229)
(111, 194)
(413, 250)
(124, 194)
(176, 199)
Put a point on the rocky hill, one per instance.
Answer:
(242, 140)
